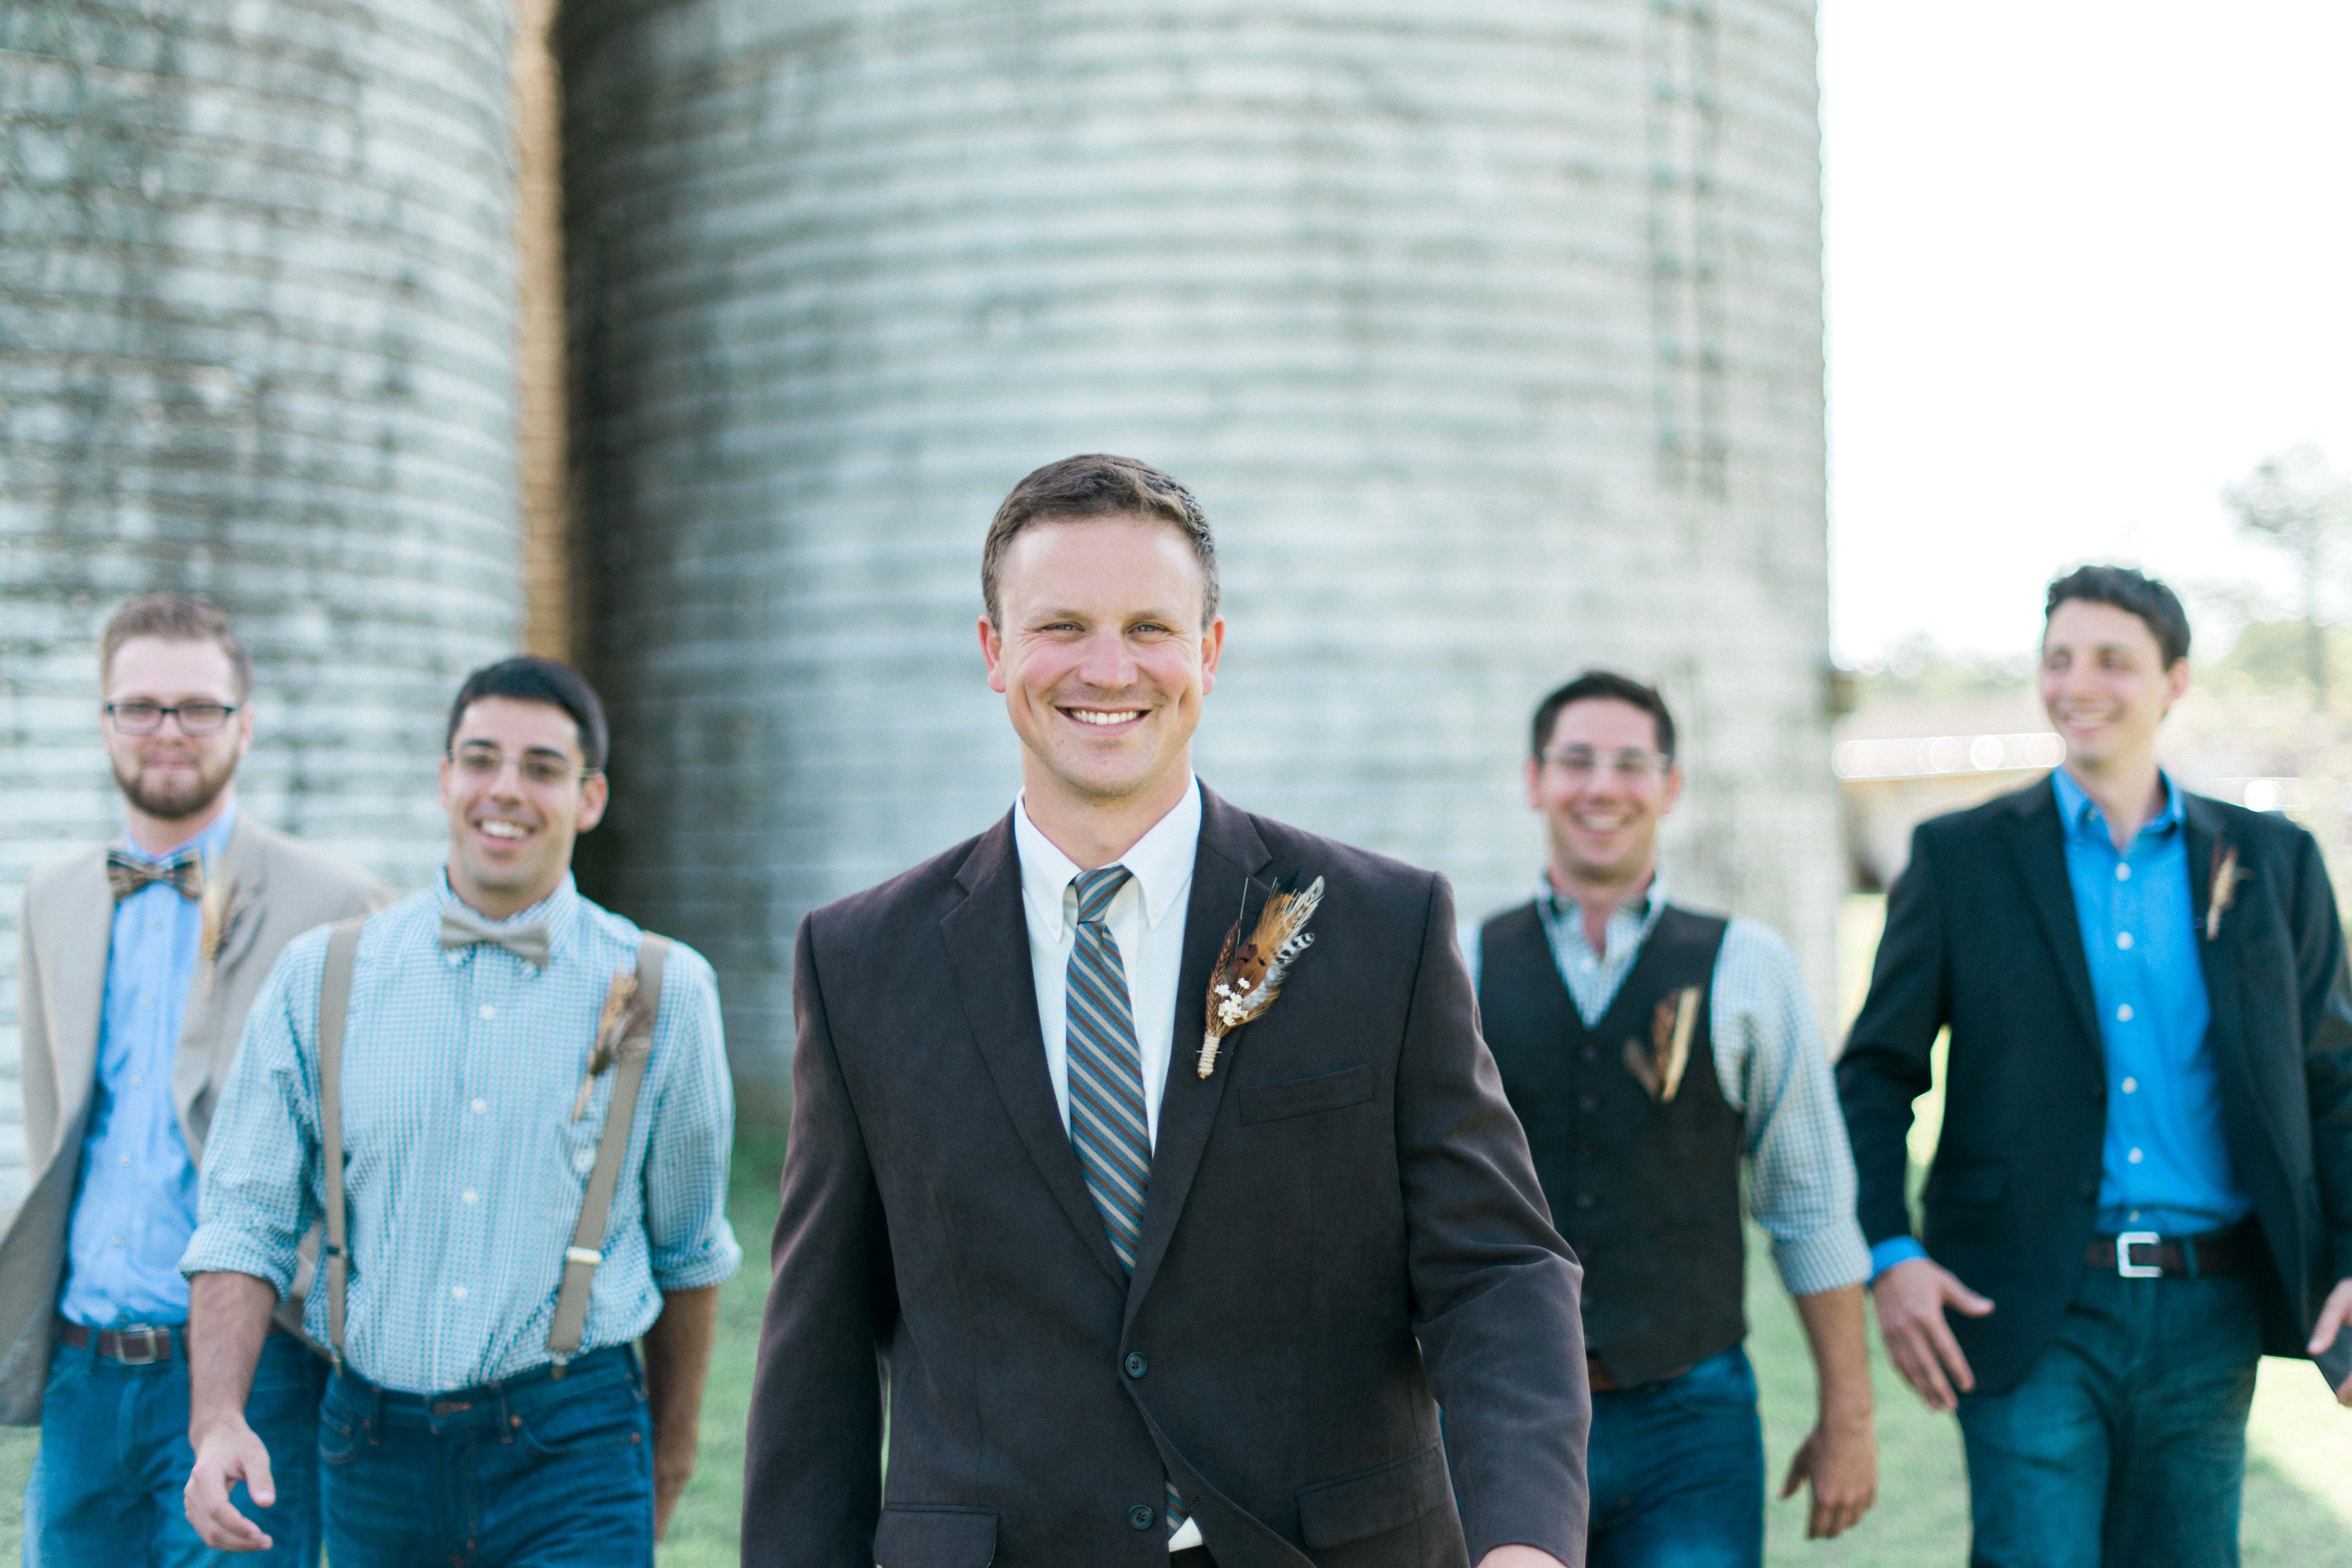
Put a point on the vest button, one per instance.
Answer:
(1593, 1053)
(1135, 1365)
(1584, 1150)
(1584, 1200)
(1139, 1517)
(1588, 1102)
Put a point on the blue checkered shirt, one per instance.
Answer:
(465, 1169)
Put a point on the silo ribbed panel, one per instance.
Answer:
(1489, 334)
(256, 343)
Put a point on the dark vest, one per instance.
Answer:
(1645, 1189)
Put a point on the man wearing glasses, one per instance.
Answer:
(1647, 1049)
(514, 1104)
(139, 962)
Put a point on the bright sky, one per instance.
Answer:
(2089, 261)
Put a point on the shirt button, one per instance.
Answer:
(472, 1196)
(2135, 1156)
(138, 1078)
(488, 1012)
(480, 1107)
(125, 1160)
(1587, 962)
(2123, 940)
(455, 956)
(2131, 1086)
(2124, 1013)
(458, 1292)
(2123, 872)
(118, 1241)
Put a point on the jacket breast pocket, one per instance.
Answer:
(1305, 1096)
(1968, 1184)
(941, 1535)
(1369, 1502)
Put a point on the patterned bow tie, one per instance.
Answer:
(126, 873)
(461, 927)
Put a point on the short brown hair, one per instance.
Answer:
(1603, 685)
(1100, 484)
(2157, 606)
(174, 617)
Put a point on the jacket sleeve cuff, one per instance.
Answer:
(1894, 1249)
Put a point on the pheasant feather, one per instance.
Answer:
(1249, 974)
(612, 1030)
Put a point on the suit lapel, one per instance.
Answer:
(1230, 853)
(987, 938)
(83, 924)
(2204, 835)
(2037, 844)
(209, 1040)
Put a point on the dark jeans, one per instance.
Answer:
(1677, 1472)
(2126, 1444)
(114, 1455)
(534, 1472)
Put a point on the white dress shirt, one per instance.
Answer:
(1147, 919)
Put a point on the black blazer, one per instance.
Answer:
(1981, 937)
(1343, 1223)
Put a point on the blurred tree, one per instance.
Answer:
(2295, 502)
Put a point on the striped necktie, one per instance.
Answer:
(1107, 1125)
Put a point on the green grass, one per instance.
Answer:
(2299, 1507)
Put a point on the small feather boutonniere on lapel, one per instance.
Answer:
(1249, 975)
(1660, 1068)
(612, 1031)
(219, 906)
(2227, 875)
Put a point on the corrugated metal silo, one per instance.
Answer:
(1489, 334)
(255, 343)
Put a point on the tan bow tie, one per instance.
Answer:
(127, 874)
(461, 927)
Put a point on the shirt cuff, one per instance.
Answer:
(1894, 1249)
(1827, 1260)
(712, 1265)
(219, 1250)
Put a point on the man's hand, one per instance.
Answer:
(1912, 1297)
(1841, 1459)
(677, 1360)
(1519, 1557)
(2332, 1318)
(229, 1453)
(674, 1449)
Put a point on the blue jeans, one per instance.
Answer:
(533, 1472)
(1677, 1472)
(114, 1455)
(2127, 1442)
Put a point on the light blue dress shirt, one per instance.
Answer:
(2166, 1165)
(136, 1205)
(464, 1165)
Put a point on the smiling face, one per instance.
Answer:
(1603, 788)
(171, 776)
(2105, 684)
(513, 788)
(1102, 658)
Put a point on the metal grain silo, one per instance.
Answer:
(1489, 334)
(255, 343)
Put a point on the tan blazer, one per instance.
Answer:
(280, 890)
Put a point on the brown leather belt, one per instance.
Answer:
(142, 1344)
(1598, 1375)
(2145, 1255)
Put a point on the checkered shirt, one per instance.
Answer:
(465, 1169)
(1771, 1062)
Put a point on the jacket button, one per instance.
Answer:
(1140, 1517)
(1584, 1150)
(1584, 1200)
(2090, 1191)
(1588, 1102)
(1593, 1053)
(1135, 1365)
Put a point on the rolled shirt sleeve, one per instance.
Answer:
(261, 1166)
(691, 1246)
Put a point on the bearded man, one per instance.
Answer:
(140, 961)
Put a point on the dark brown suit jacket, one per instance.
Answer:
(1343, 1231)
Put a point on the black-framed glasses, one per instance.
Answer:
(1633, 765)
(540, 770)
(138, 717)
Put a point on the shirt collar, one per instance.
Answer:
(207, 844)
(2081, 814)
(560, 910)
(1560, 911)
(1161, 862)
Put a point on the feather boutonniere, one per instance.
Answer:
(612, 1030)
(1248, 974)
(1660, 1068)
(2227, 875)
(219, 907)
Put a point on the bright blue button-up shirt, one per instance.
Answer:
(2166, 1164)
(136, 1206)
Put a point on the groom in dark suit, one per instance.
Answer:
(1120, 1312)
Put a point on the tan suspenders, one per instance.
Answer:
(582, 1257)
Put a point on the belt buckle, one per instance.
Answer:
(2125, 1267)
(147, 1356)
